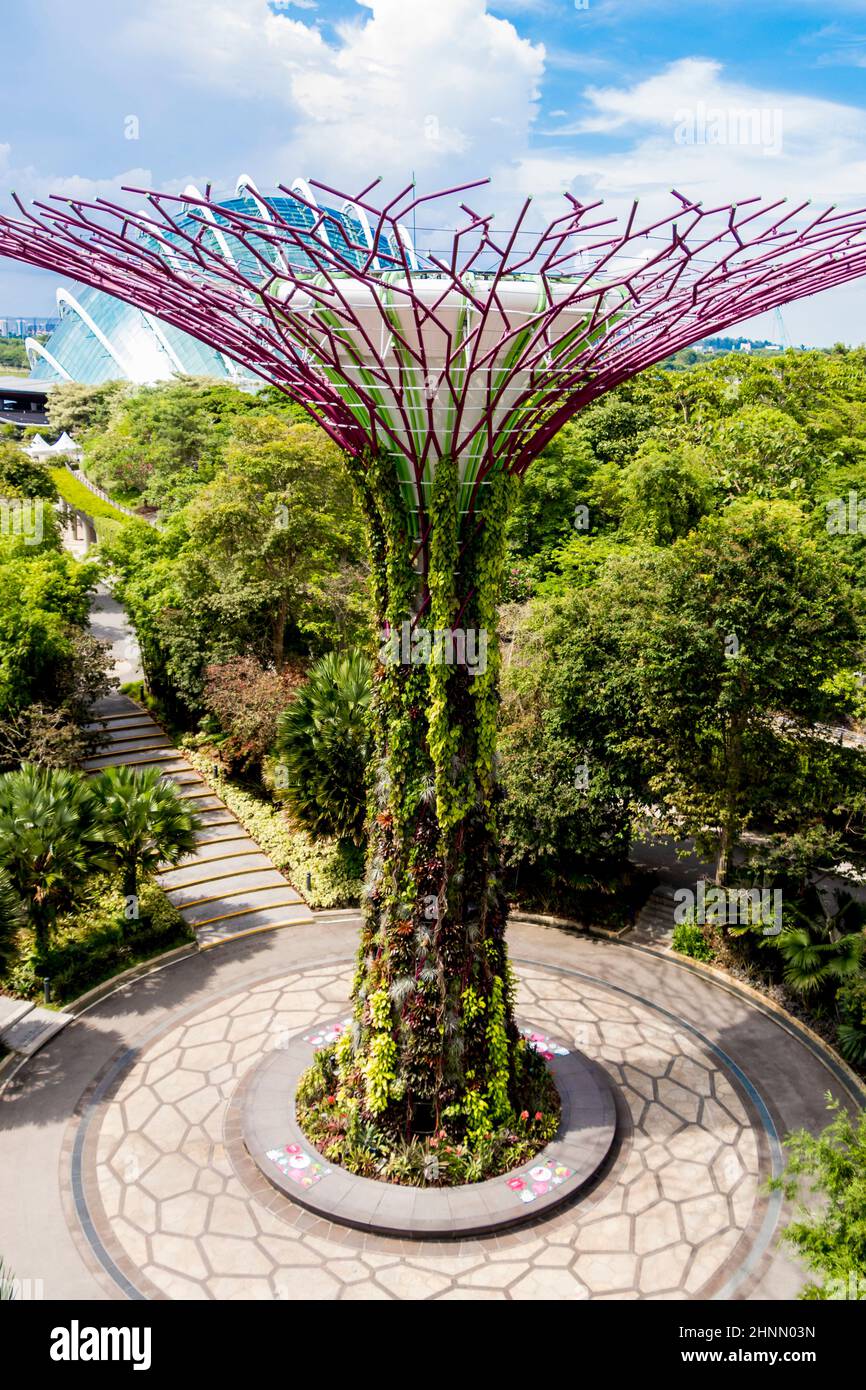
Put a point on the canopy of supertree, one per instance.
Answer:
(479, 351)
(441, 375)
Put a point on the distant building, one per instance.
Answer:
(26, 328)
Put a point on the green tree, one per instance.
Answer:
(545, 509)
(763, 451)
(21, 476)
(141, 820)
(48, 840)
(44, 606)
(703, 664)
(322, 748)
(567, 809)
(78, 408)
(826, 1176)
(12, 919)
(265, 561)
(665, 492)
(740, 624)
(272, 527)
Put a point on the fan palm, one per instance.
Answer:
(322, 747)
(141, 820)
(12, 918)
(47, 840)
(813, 960)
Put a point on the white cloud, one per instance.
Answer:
(30, 183)
(626, 145)
(401, 87)
(690, 127)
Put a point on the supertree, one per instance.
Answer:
(442, 378)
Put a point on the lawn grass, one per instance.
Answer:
(80, 497)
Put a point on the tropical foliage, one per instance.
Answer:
(826, 1176)
(322, 748)
(141, 820)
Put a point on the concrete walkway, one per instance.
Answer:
(118, 1182)
(25, 1027)
(228, 887)
(109, 623)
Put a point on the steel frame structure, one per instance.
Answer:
(344, 326)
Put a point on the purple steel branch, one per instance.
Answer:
(713, 267)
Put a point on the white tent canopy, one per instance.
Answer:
(65, 446)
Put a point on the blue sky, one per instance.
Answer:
(611, 98)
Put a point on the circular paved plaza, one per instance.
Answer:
(122, 1179)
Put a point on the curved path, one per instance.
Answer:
(121, 1180)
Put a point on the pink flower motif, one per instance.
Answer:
(516, 1184)
(540, 1187)
(293, 1148)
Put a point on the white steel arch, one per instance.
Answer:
(66, 297)
(35, 349)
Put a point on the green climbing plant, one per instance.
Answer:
(433, 1049)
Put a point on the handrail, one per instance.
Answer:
(106, 497)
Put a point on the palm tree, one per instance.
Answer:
(47, 840)
(814, 957)
(323, 745)
(12, 918)
(141, 820)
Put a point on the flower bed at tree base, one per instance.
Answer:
(337, 1124)
(264, 1140)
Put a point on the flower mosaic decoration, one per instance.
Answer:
(327, 1034)
(544, 1045)
(544, 1175)
(299, 1166)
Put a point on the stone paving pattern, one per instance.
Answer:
(680, 1212)
(229, 886)
(685, 1188)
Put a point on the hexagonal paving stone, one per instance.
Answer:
(704, 1217)
(178, 1253)
(658, 1226)
(660, 1229)
(185, 1215)
(231, 1217)
(664, 1270)
(169, 1176)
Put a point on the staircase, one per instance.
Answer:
(228, 887)
(654, 924)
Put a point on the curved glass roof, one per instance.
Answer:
(100, 338)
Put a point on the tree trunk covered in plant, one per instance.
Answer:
(434, 1040)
